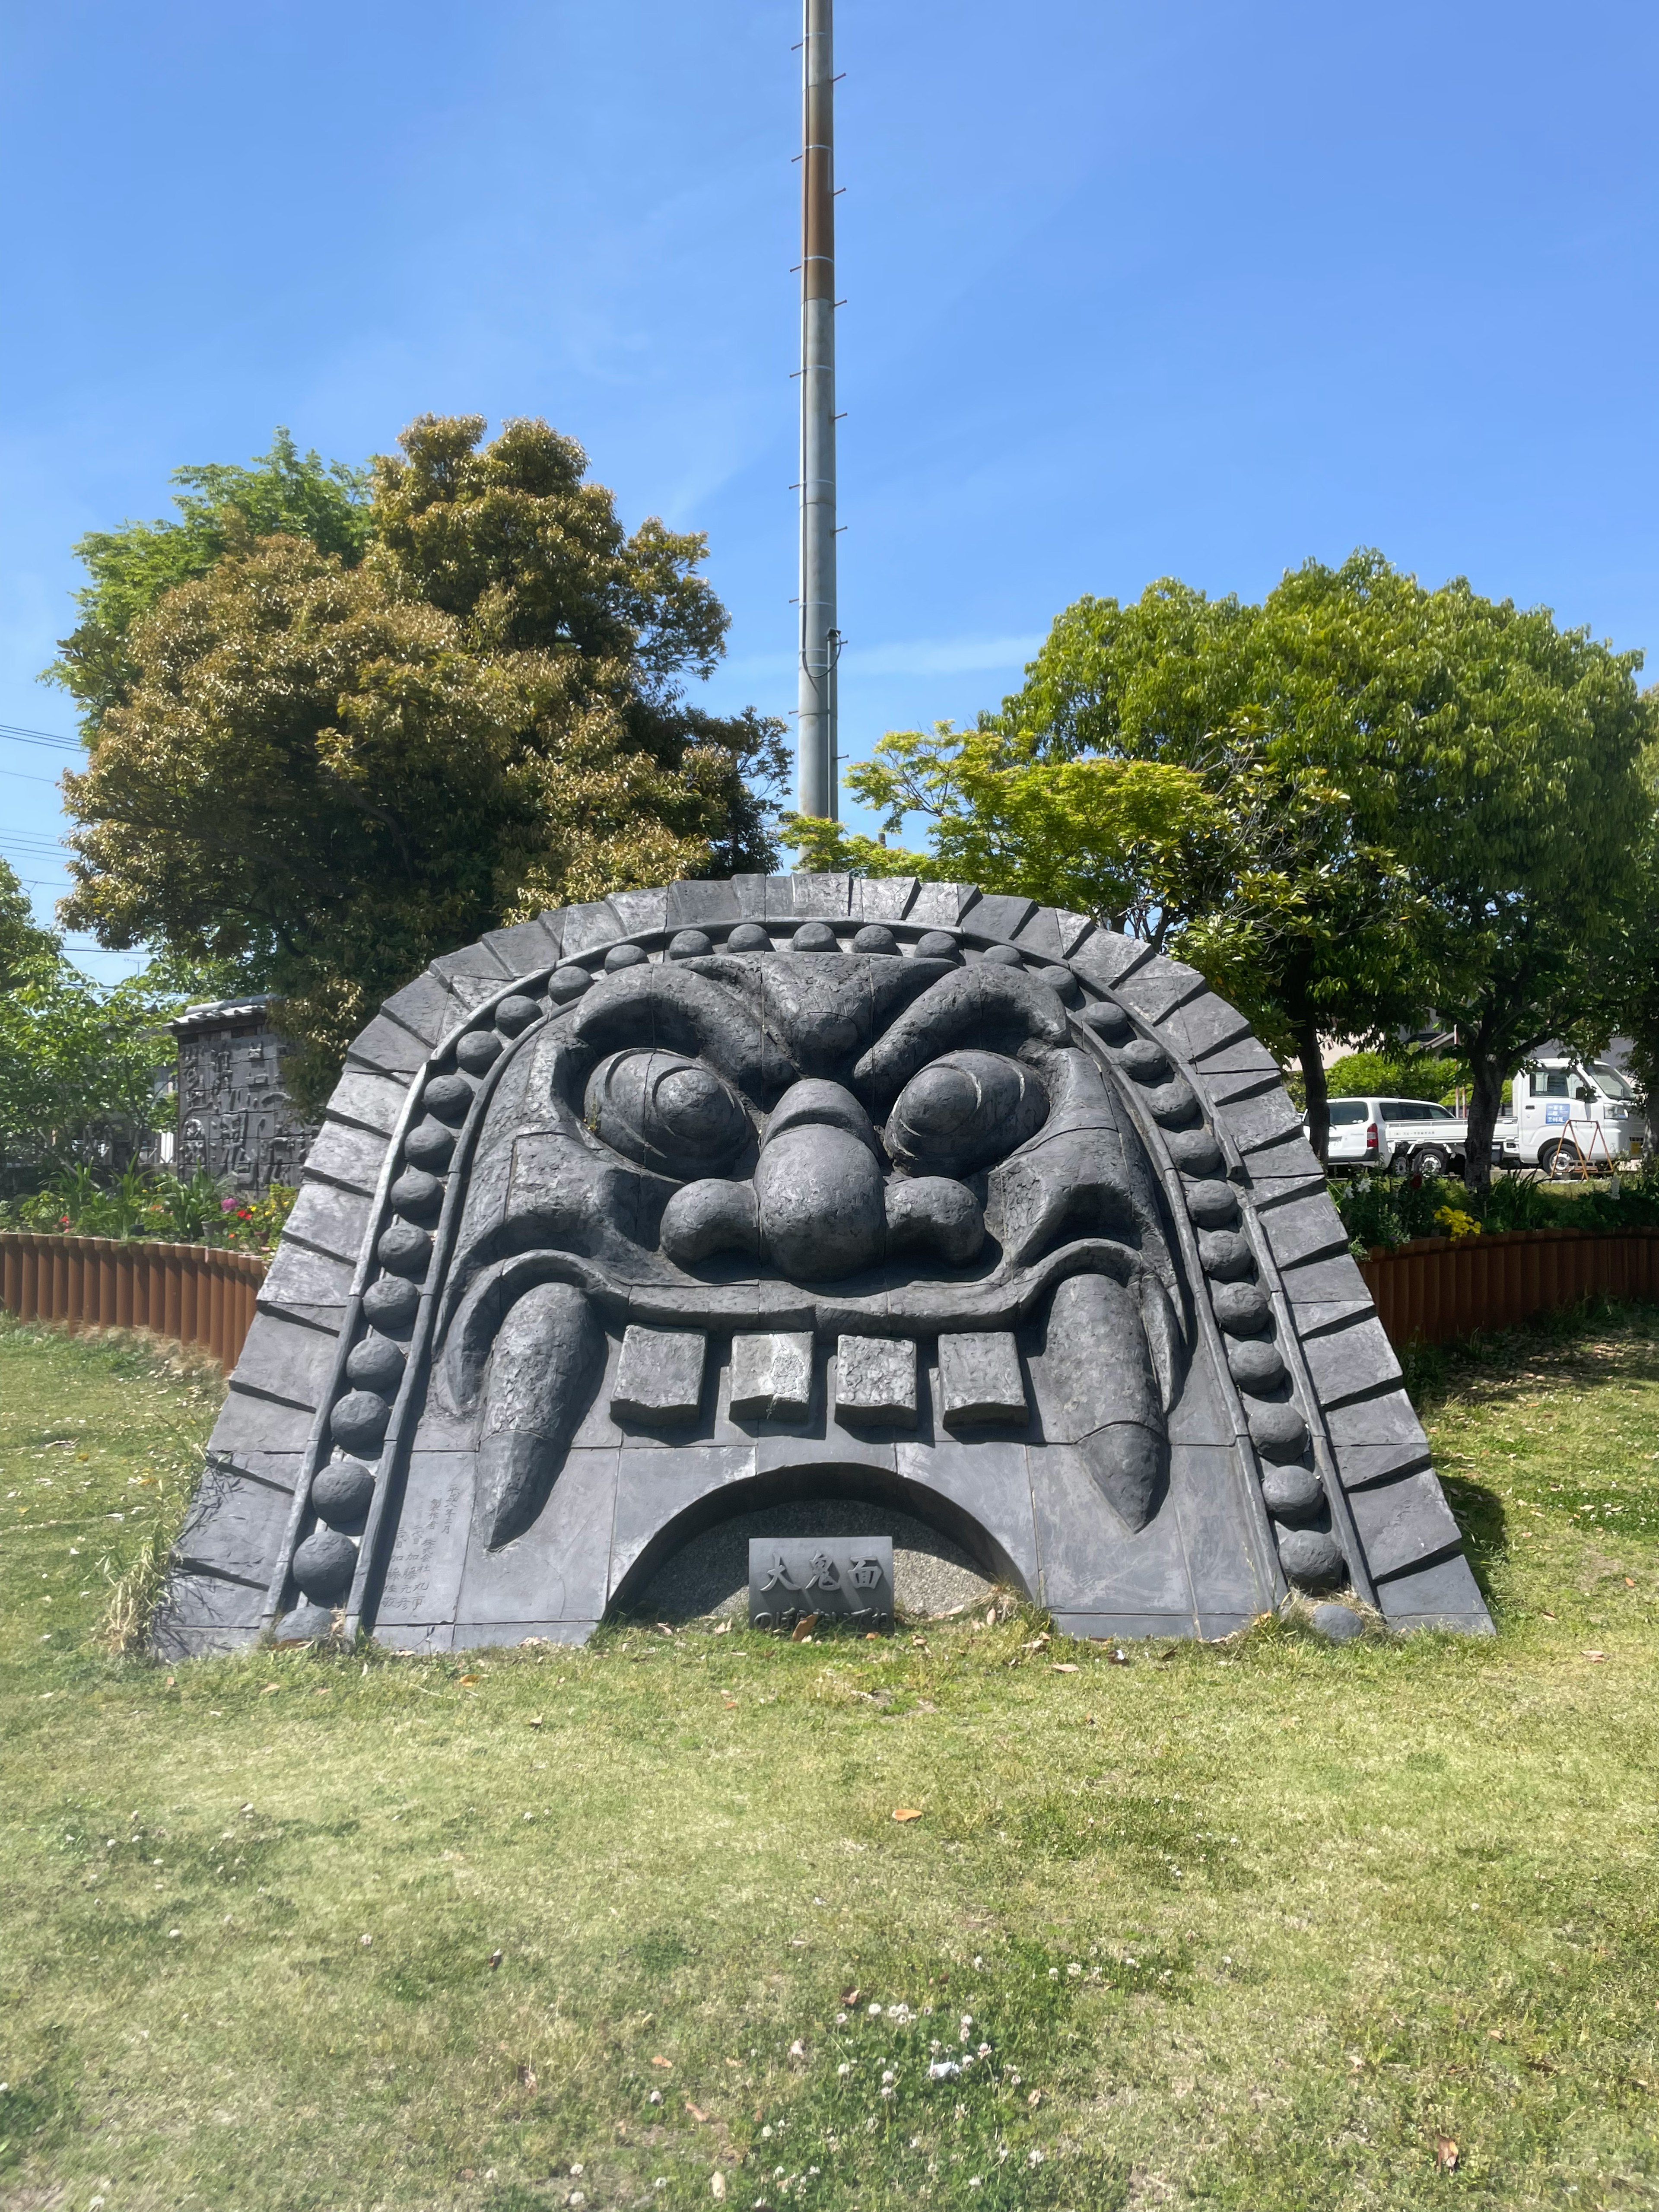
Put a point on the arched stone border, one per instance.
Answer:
(376, 1209)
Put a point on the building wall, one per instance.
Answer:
(235, 1118)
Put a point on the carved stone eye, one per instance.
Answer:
(963, 1110)
(666, 1112)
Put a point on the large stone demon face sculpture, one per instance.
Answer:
(820, 1150)
(808, 1196)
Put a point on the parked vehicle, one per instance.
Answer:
(1567, 1114)
(1404, 1135)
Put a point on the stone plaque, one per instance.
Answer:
(840, 1579)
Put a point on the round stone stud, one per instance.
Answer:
(1311, 1558)
(1002, 956)
(1241, 1309)
(430, 1145)
(624, 955)
(875, 937)
(690, 944)
(1337, 1624)
(1293, 1493)
(749, 936)
(936, 945)
(814, 937)
(1109, 1021)
(340, 1493)
(516, 1013)
(324, 1565)
(1255, 1365)
(449, 1096)
(358, 1423)
(1224, 1255)
(418, 1196)
(376, 1364)
(1064, 985)
(1212, 1205)
(1195, 1152)
(404, 1250)
(567, 983)
(1146, 1061)
(391, 1305)
(1279, 1432)
(1174, 1104)
(479, 1051)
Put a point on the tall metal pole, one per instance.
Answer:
(820, 639)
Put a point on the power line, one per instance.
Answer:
(25, 736)
(23, 776)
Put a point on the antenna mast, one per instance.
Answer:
(820, 639)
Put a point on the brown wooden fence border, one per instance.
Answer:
(1425, 1292)
(191, 1293)
(1437, 1288)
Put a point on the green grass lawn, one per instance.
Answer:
(1267, 1926)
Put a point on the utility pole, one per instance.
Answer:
(820, 639)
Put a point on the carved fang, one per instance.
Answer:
(546, 1366)
(1099, 1390)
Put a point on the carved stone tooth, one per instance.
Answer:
(543, 1374)
(876, 1380)
(659, 1376)
(771, 1377)
(1099, 1391)
(979, 1379)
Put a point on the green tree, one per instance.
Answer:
(222, 507)
(326, 772)
(25, 947)
(1399, 800)
(1154, 773)
(81, 1069)
(1498, 756)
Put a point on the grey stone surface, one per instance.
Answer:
(876, 1380)
(659, 1379)
(877, 1203)
(771, 1377)
(1337, 1624)
(979, 1379)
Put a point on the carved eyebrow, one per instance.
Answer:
(998, 1009)
(686, 1012)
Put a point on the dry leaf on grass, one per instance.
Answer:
(1592, 1654)
(660, 2061)
(1064, 1666)
(907, 1813)
(696, 2111)
(535, 1721)
(803, 1628)
(268, 1687)
(1446, 2154)
(467, 1680)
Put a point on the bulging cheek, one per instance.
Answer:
(821, 1209)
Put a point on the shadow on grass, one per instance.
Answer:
(1573, 1341)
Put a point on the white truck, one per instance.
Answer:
(1564, 1115)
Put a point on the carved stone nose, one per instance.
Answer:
(818, 1185)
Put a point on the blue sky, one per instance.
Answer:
(1132, 291)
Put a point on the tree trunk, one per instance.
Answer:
(1485, 1100)
(1319, 1098)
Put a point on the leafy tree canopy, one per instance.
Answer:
(1357, 802)
(324, 771)
(222, 506)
